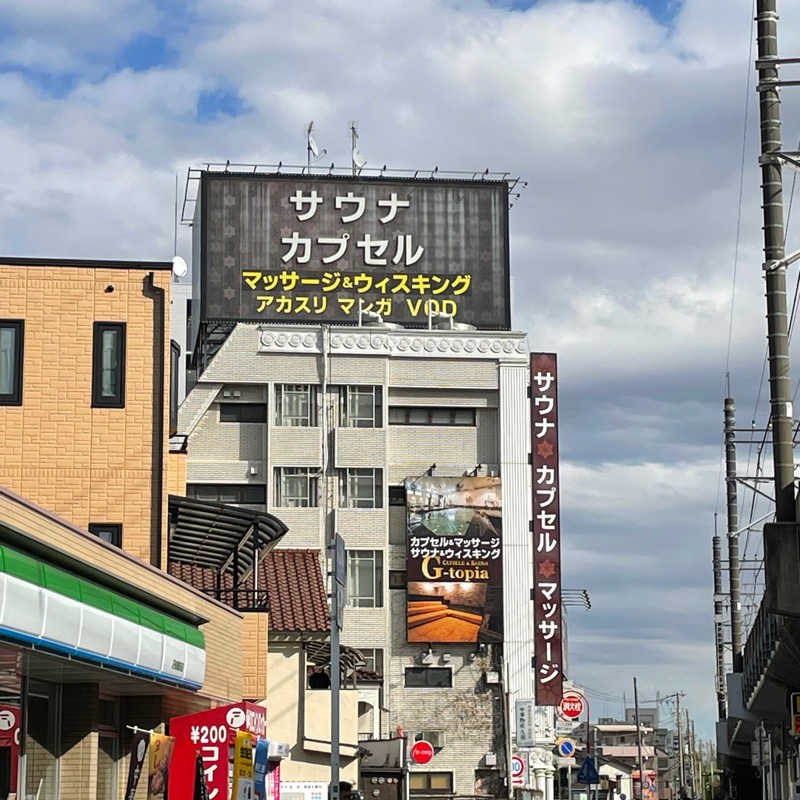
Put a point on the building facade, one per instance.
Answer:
(323, 426)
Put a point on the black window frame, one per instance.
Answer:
(235, 412)
(346, 420)
(113, 528)
(242, 490)
(428, 673)
(14, 397)
(427, 791)
(397, 495)
(431, 410)
(398, 579)
(174, 366)
(98, 399)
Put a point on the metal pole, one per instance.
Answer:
(719, 635)
(734, 575)
(569, 781)
(774, 236)
(681, 777)
(335, 675)
(638, 738)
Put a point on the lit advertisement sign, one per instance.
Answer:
(454, 559)
(292, 248)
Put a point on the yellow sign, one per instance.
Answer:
(243, 767)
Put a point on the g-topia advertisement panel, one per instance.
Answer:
(293, 248)
(454, 559)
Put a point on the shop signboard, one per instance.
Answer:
(211, 733)
(300, 248)
(546, 530)
(523, 711)
(10, 740)
(454, 559)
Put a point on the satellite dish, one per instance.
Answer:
(179, 267)
(358, 158)
(312, 146)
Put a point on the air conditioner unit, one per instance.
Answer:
(492, 677)
(490, 759)
(436, 738)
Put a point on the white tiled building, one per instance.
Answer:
(321, 426)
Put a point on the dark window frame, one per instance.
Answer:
(14, 397)
(428, 673)
(431, 410)
(398, 579)
(395, 491)
(348, 420)
(113, 528)
(241, 488)
(233, 412)
(118, 398)
(427, 789)
(174, 366)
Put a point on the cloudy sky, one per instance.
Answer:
(625, 118)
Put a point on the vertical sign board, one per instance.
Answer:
(524, 713)
(454, 559)
(546, 530)
(300, 248)
(795, 712)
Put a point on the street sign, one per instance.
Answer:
(588, 772)
(524, 714)
(566, 748)
(517, 771)
(572, 705)
(794, 709)
(422, 752)
(340, 562)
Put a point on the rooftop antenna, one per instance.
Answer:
(358, 159)
(313, 153)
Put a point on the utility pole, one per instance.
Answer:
(638, 738)
(719, 635)
(338, 584)
(681, 777)
(689, 748)
(774, 265)
(734, 574)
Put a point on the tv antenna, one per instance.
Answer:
(313, 153)
(358, 159)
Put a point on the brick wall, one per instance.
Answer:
(85, 464)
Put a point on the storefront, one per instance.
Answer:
(94, 643)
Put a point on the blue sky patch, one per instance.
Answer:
(145, 52)
(55, 85)
(219, 103)
(662, 10)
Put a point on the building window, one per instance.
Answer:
(296, 405)
(397, 495)
(11, 356)
(398, 579)
(410, 415)
(233, 493)
(110, 532)
(360, 407)
(242, 412)
(430, 782)
(360, 488)
(174, 366)
(373, 658)
(108, 365)
(365, 578)
(296, 487)
(429, 678)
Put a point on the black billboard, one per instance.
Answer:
(294, 248)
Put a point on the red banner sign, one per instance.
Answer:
(212, 734)
(546, 529)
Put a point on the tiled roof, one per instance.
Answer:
(297, 597)
(294, 584)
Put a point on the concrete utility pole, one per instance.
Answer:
(774, 265)
(638, 738)
(719, 636)
(734, 574)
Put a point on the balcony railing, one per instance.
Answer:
(759, 650)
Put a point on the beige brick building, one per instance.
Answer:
(94, 463)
